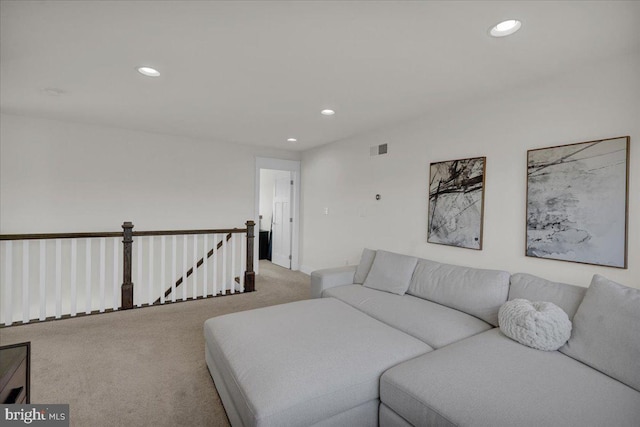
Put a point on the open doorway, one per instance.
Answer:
(275, 216)
(277, 208)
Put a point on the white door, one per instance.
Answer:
(281, 231)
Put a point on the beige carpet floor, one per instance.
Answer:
(141, 367)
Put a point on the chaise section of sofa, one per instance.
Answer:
(314, 362)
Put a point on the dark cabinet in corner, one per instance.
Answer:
(15, 373)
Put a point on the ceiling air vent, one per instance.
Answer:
(377, 150)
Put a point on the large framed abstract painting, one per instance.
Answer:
(456, 202)
(577, 202)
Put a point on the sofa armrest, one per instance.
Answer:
(331, 277)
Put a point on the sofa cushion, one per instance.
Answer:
(330, 277)
(388, 418)
(366, 261)
(472, 290)
(539, 324)
(432, 323)
(302, 362)
(606, 331)
(534, 288)
(365, 415)
(491, 380)
(391, 272)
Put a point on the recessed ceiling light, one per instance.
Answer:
(148, 71)
(292, 140)
(327, 112)
(505, 28)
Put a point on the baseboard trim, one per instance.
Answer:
(307, 269)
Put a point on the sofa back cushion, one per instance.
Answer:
(606, 331)
(534, 288)
(475, 291)
(366, 261)
(391, 272)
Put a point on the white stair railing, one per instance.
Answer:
(43, 277)
(217, 268)
(53, 276)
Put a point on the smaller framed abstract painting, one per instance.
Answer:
(577, 202)
(456, 202)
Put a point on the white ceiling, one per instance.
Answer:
(260, 72)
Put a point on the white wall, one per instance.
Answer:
(594, 102)
(65, 177)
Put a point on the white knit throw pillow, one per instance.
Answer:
(540, 325)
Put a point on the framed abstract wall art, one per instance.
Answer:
(456, 202)
(577, 202)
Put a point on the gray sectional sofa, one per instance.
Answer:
(400, 341)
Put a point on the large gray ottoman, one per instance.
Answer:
(491, 380)
(315, 362)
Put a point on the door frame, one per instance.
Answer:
(292, 166)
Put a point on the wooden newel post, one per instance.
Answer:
(127, 285)
(250, 275)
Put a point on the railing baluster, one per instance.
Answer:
(233, 263)
(243, 256)
(214, 292)
(163, 258)
(58, 278)
(87, 276)
(8, 284)
(150, 284)
(114, 304)
(25, 282)
(184, 267)
(194, 295)
(173, 269)
(205, 278)
(224, 264)
(72, 275)
(140, 288)
(103, 274)
(43, 273)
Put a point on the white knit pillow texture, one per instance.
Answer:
(540, 325)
